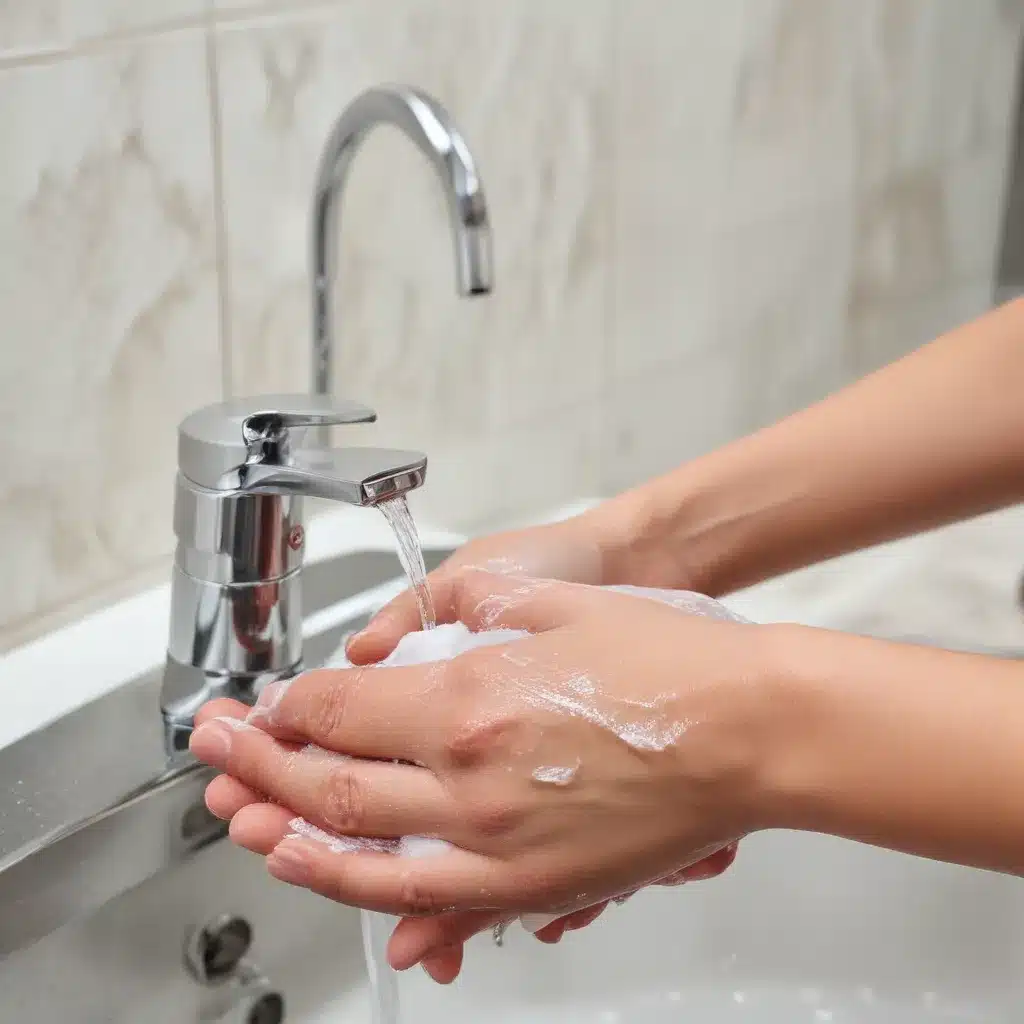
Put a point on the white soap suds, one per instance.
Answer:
(556, 775)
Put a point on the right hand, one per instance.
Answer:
(574, 551)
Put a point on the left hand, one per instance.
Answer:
(654, 708)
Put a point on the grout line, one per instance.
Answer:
(605, 428)
(209, 19)
(220, 222)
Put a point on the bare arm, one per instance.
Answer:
(933, 438)
(905, 747)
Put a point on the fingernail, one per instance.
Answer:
(211, 743)
(270, 694)
(290, 862)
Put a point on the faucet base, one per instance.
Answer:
(186, 689)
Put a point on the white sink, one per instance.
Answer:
(803, 928)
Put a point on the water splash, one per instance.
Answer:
(383, 983)
(410, 554)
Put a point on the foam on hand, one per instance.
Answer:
(444, 643)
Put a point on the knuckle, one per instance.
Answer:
(474, 744)
(343, 801)
(328, 709)
(415, 900)
(493, 819)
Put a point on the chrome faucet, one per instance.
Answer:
(243, 470)
(236, 610)
(424, 121)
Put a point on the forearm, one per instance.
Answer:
(933, 438)
(904, 747)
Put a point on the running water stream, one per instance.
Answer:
(376, 927)
(410, 554)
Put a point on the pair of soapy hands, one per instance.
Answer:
(636, 698)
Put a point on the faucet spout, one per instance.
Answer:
(423, 120)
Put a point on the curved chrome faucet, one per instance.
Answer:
(424, 121)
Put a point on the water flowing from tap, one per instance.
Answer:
(410, 554)
(376, 927)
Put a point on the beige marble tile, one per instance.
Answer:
(933, 80)
(527, 84)
(28, 26)
(674, 78)
(881, 331)
(519, 471)
(656, 421)
(108, 301)
(781, 294)
(928, 229)
(261, 7)
(975, 192)
(791, 126)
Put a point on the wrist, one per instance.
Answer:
(635, 533)
(785, 710)
(733, 768)
(676, 532)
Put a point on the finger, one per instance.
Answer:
(584, 918)
(381, 635)
(551, 934)
(444, 966)
(340, 794)
(710, 867)
(404, 887)
(481, 598)
(226, 796)
(366, 712)
(486, 600)
(260, 827)
(223, 707)
(417, 938)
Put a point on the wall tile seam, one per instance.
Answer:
(210, 18)
(215, 120)
(604, 425)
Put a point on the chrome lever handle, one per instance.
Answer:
(301, 411)
(216, 440)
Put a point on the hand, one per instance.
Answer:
(574, 550)
(647, 796)
(584, 549)
(435, 942)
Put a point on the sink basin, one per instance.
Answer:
(804, 928)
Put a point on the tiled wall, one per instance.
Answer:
(706, 215)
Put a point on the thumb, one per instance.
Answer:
(379, 638)
(481, 599)
(486, 600)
